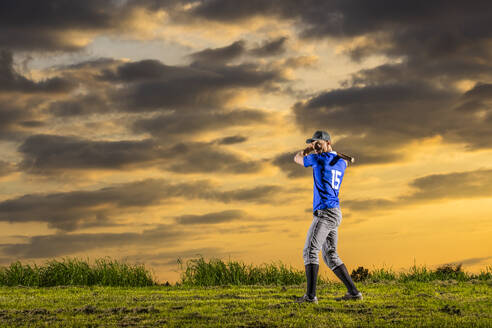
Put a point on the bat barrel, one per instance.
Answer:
(346, 157)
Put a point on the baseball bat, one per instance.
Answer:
(346, 157)
(318, 147)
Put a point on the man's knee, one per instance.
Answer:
(310, 256)
(332, 259)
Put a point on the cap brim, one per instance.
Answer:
(311, 140)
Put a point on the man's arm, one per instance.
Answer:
(300, 155)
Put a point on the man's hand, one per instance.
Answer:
(299, 158)
(308, 149)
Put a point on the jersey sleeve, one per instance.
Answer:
(310, 160)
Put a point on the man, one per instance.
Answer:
(328, 171)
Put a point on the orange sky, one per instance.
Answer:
(149, 131)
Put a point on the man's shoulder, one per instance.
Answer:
(333, 159)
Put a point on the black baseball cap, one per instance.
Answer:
(319, 135)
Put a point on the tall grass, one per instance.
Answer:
(215, 272)
(199, 272)
(72, 271)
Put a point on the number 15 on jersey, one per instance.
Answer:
(335, 179)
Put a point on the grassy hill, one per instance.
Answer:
(417, 298)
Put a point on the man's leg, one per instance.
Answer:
(314, 239)
(312, 277)
(331, 258)
(342, 274)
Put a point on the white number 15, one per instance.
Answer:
(335, 179)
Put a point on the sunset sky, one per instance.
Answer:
(150, 130)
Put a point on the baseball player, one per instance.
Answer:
(328, 171)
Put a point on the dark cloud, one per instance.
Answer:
(80, 106)
(472, 260)
(188, 88)
(19, 117)
(186, 100)
(202, 157)
(229, 11)
(56, 24)
(437, 49)
(12, 81)
(148, 69)
(211, 218)
(260, 194)
(6, 168)
(379, 119)
(79, 209)
(220, 55)
(437, 27)
(253, 229)
(456, 185)
(45, 154)
(10, 118)
(285, 161)
(230, 140)
(437, 45)
(51, 154)
(64, 244)
(179, 125)
(270, 48)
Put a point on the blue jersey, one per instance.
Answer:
(327, 174)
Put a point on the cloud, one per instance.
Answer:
(12, 81)
(50, 154)
(270, 47)
(63, 244)
(11, 118)
(448, 186)
(430, 27)
(80, 106)
(6, 168)
(44, 154)
(211, 218)
(219, 55)
(68, 211)
(171, 87)
(472, 260)
(285, 162)
(185, 101)
(429, 47)
(380, 119)
(185, 125)
(230, 140)
(60, 25)
(237, 49)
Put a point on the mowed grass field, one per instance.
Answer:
(419, 298)
(385, 304)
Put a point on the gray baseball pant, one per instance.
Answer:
(323, 235)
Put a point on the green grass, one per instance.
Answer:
(199, 272)
(67, 271)
(215, 272)
(216, 293)
(386, 304)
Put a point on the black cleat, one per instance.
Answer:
(349, 296)
(305, 298)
